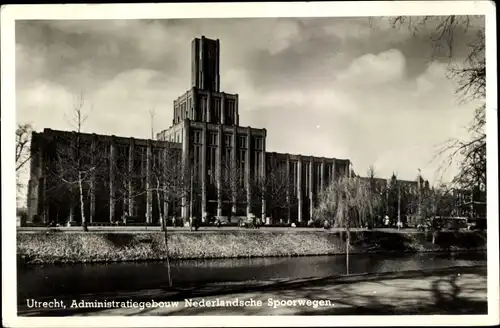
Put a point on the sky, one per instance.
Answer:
(352, 88)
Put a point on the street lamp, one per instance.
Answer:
(399, 205)
(191, 196)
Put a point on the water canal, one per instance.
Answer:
(77, 279)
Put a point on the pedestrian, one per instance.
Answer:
(196, 222)
(400, 225)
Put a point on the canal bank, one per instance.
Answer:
(60, 247)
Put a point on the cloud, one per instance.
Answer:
(387, 66)
(282, 35)
(30, 64)
(435, 76)
(44, 104)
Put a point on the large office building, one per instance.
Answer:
(226, 167)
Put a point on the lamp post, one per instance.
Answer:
(399, 205)
(191, 197)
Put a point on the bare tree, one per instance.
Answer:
(23, 136)
(275, 188)
(443, 29)
(171, 181)
(377, 193)
(472, 152)
(232, 188)
(23, 152)
(76, 161)
(344, 203)
(471, 79)
(437, 202)
(127, 173)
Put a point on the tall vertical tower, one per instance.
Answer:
(205, 64)
(205, 102)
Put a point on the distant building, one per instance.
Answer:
(401, 197)
(469, 203)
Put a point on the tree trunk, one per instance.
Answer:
(167, 208)
(399, 207)
(164, 228)
(347, 250)
(161, 215)
(82, 205)
(158, 205)
(71, 211)
(434, 236)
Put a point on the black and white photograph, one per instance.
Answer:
(209, 162)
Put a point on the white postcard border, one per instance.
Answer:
(11, 13)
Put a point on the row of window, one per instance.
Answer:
(257, 142)
(215, 111)
(181, 111)
(174, 137)
(186, 110)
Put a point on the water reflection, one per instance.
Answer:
(53, 280)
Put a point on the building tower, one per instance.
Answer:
(226, 159)
(205, 59)
(215, 148)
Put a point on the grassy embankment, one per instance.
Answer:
(112, 247)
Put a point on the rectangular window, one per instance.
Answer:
(242, 142)
(213, 139)
(203, 107)
(306, 180)
(257, 141)
(196, 160)
(229, 113)
(212, 152)
(241, 155)
(216, 110)
(226, 112)
(242, 160)
(197, 137)
(257, 163)
(228, 140)
(198, 110)
(228, 156)
(318, 177)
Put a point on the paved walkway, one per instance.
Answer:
(446, 291)
(144, 229)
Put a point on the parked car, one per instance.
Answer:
(476, 224)
(217, 221)
(249, 223)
